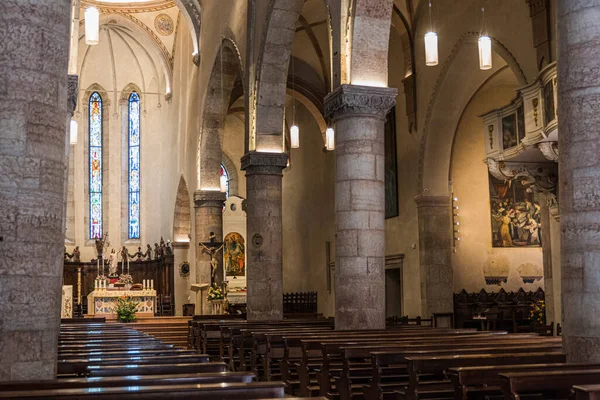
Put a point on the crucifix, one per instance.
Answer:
(212, 248)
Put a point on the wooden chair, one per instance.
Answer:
(166, 305)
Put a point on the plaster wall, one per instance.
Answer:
(308, 214)
(474, 256)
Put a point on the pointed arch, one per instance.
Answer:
(226, 67)
(182, 220)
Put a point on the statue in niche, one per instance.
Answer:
(112, 263)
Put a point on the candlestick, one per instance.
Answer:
(128, 266)
(98, 264)
(145, 284)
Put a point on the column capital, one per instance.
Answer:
(73, 86)
(209, 198)
(432, 201)
(353, 100)
(258, 163)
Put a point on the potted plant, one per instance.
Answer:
(126, 308)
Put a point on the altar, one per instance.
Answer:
(104, 302)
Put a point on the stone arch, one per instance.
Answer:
(128, 89)
(233, 174)
(226, 68)
(458, 81)
(369, 33)
(191, 11)
(182, 220)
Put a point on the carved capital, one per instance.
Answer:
(257, 163)
(73, 86)
(353, 100)
(209, 198)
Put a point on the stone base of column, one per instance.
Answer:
(208, 218)
(435, 254)
(264, 273)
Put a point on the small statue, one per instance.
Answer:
(148, 253)
(76, 254)
(168, 249)
(67, 255)
(139, 254)
(112, 263)
(156, 251)
(124, 254)
(162, 247)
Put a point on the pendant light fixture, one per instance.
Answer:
(485, 45)
(431, 43)
(92, 26)
(222, 177)
(330, 139)
(294, 130)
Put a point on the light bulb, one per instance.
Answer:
(92, 26)
(456, 199)
(73, 131)
(295, 136)
(431, 49)
(330, 139)
(485, 52)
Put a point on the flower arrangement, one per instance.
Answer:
(215, 293)
(537, 314)
(126, 308)
(126, 279)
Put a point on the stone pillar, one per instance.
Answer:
(208, 218)
(547, 259)
(579, 172)
(33, 116)
(359, 115)
(436, 241)
(264, 272)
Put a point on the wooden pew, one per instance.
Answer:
(220, 391)
(80, 366)
(468, 381)
(154, 369)
(390, 366)
(586, 392)
(116, 354)
(438, 364)
(550, 384)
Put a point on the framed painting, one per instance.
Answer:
(235, 255)
(509, 132)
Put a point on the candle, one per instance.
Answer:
(152, 284)
(127, 265)
(145, 284)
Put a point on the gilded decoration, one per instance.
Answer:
(164, 24)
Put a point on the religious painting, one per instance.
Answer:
(164, 24)
(391, 166)
(515, 215)
(235, 257)
(520, 123)
(509, 132)
(548, 102)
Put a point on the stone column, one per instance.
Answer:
(359, 115)
(208, 218)
(436, 241)
(264, 272)
(579, 172)
(33, 116)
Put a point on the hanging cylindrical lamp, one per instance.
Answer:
(295, 136)
(431, 44)
(73, 131)
(485, 46)
(330, 139)
(223, 183)
(92, 26)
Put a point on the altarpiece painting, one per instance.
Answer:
(235, 258)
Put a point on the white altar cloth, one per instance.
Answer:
(103, 302)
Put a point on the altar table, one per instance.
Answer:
(103, 302)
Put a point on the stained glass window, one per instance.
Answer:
(226, 175)
(134, 166)
(95, 155)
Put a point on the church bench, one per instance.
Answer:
(138, 380)
(80, 366)
(124, 353)
(332, 357)
(387, 366)
(554, 384)
(477, 380)
(221, 391)
(154, 369)
(586, 392)
(436, 365)
(83, 348)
